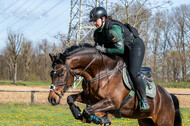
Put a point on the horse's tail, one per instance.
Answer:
(177, 121)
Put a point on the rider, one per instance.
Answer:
(111, 36)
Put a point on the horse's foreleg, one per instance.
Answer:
(102, 106)
(75, 109)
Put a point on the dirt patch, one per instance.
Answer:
(184, 100)
(41, 97)
(25, 97)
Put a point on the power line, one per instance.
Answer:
(27, 13)
(30, 24)
(51, 8)
(60, 14)
(15, 10)
(13, 3)
(4, 19)
(56, 27)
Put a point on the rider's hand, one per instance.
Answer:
(101, 48)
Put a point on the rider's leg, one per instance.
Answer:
(135, 59)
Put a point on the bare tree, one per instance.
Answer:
(180, 34)
(14, 47)
(26, 59)
(63, 39)
(136, 12)
(165, 44)
(43, 59)
(155, 39)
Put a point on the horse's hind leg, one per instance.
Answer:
(146, 122)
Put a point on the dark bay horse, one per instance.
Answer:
(104, 90)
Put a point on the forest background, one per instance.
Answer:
(166, 34)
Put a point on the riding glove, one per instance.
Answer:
(101, 48)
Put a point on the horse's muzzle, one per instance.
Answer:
(53, 101)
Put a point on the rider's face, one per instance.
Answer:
(98, 23)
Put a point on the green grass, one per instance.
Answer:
(25, 83)
(14, 114)
(174, 84)
(45, 115)
(185, 116)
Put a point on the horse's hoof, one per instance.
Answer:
(105, 120)
(107, 124)
(83, 120)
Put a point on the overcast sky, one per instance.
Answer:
(39, 19)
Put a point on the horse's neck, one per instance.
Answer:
(94, 63)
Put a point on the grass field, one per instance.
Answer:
(24, 83)
(15, 114)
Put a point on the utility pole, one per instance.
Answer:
(73, 17)
(70, 23)
(80, 23)
(80, 9)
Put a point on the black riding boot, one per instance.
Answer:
(140, 85)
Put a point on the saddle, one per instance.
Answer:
(150, 86)
(146, 72)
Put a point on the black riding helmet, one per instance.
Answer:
(97, 12)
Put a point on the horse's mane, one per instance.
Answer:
(77, 48)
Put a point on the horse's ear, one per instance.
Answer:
(52, 56)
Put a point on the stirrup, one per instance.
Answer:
(144, 105)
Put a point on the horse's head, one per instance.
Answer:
(60, 76)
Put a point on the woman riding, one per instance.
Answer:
(113, 37)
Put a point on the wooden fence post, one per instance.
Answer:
(32, 96)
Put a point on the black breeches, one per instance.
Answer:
(134, 61)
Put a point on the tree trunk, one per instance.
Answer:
(15, 73)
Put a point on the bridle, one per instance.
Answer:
(52, 87)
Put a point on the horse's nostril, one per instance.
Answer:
(53, 101)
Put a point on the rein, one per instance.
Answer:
(104, 75)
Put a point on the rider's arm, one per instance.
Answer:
(115, 36)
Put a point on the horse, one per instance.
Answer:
(104, 90)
